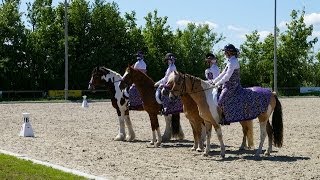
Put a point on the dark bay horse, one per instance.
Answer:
(146, 89)
(205, 97)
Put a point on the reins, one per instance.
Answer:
(183, 90)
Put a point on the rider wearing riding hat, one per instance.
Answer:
(229, 77)
(235, 102)
(135, 101)
(140, 64)
(170, 59)
(213, 70)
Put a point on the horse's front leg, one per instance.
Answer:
(167, 132)
(155, 130)
(122, 132)
(208, 133)
(131, 136)
(218, 130)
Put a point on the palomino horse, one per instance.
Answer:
(104, 77)
(197, 122)
(206, 98)
(146, 89)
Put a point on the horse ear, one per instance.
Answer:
(175, 72)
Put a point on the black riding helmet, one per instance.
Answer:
(230, 48)
(169, 56)
(210, 56)
(139, 54)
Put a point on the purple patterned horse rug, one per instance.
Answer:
(206, 99)
(169, 106)
(135, 101)
(244, 103)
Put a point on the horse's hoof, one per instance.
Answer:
(151, 143)
(205, 154)
(257, 155)
(165, 138)
(181, 136)
(119, 137)
(130, 138)
(157, 144)
(267, 153)
(193, 148)
(199, 150)
(242, 148)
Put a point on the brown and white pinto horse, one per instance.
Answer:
(146, 89)
(206, 98)
(107, 78)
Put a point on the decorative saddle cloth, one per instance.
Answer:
(244, 103)
(135, 101)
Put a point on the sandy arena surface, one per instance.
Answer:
(82, 138)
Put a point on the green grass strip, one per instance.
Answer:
(15, 168)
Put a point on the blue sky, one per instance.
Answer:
(232, 18)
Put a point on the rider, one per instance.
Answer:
(140, 64)
(213, 70)
(230, 76)
(135, 101)
(170, 59)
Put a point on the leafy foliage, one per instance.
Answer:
(32, 52)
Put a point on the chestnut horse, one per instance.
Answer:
(107, 78)
(205, 95)
(146, 89)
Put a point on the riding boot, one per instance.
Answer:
(222, 117)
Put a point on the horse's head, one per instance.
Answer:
(176, 85)
(102, 76)
(127, 79)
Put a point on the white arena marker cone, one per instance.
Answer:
(26, 129)
(85, 102)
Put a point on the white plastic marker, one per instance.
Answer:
(26, 129)
(85, 102)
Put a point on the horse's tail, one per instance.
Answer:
(277, 124)
(175, 124)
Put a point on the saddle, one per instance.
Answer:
(168, 106)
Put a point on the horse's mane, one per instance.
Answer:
(110, 70)
(143, 75)
(194, 78)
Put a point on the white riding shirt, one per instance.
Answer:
(232, 64)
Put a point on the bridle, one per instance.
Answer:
(183, 89)
(112, 81)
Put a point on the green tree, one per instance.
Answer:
(294, 51)
(13, 64)
(45, 47)
(160, 40)
(193, 43)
